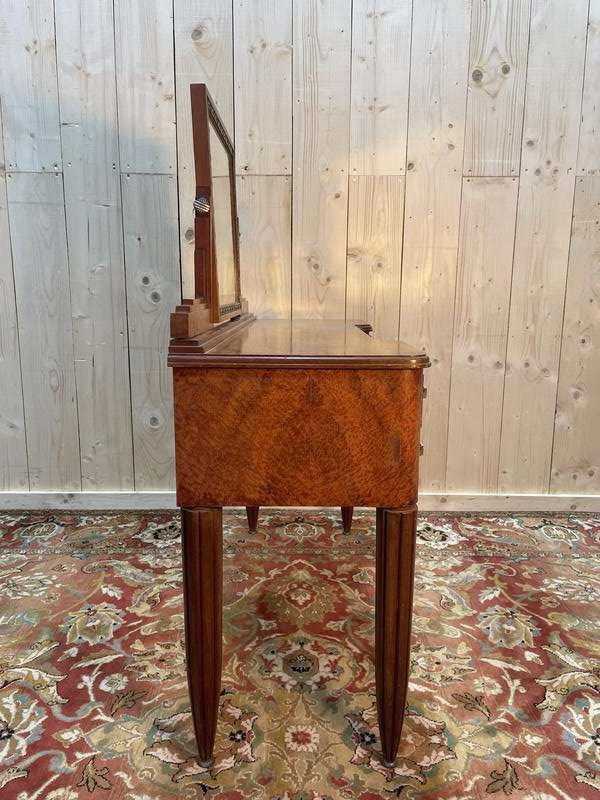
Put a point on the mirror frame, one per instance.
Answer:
(206, 280)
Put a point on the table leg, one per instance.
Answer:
(202, 540)
(252, 514)
(347, 512)
(396, 534)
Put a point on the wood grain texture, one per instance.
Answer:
(326, 437)
(14, 474)
(487, 233)
(31, 125)
(394, 581)
(263, 86)
(289, 344)
(576, 455)
(264, 210)
(497, 74)
(39, 246)
(143, 39)
(202, 550)
(549, 155)
(381, 35)
(588, 158)
(86, 76)
(432, 207)
(321, 95)
(354, 103)
(375, 221)
(150, 232)
(203, 54)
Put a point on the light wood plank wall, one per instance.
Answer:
(432, 167)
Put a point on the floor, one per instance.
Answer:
(504, 698)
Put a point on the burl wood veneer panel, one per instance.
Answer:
(297, 437)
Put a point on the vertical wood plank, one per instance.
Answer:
(88, 107)
(588, 160)
(264, 206)
(151, 250)
(145, 85)
(263, 86)
(37, 223)
(375, 220)
(381, 34)
(550, 137)
(28, 86)
(487, 232)
(495, 99)
(13, 449)
(436, 128)
(203, 54)
(321, 139)
(576, 456)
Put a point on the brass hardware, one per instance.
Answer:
(424, 392)
(202, 205)
(421, 449)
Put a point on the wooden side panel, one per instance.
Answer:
(263, 86)
(264, 208)
(340, 437)
(381, 34)
(436, 127)
(588, 159)
(86, 74)
(321, 138)
(37, 221)
(28, 86)
(375, 220)
(13, 451)
(495, 99)
(145, 85)
(550, 138)
(576, 456)
(203, 54)
(150, 231)
(487, 233)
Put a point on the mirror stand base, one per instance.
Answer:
(208, 339)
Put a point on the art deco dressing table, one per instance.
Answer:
(284, 413)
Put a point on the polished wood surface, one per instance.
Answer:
(347, 512)
(293, 343)
(297, 413)
(394, 578)
(202, 547)
(305, 437)
(252, 514)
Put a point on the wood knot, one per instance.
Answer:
(477, 75)
(197, 33)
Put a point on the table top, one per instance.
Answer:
(297, 343)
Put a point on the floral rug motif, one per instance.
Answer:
(504, 695)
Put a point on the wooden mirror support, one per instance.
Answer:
(205, 310)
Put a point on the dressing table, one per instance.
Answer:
(284, 413)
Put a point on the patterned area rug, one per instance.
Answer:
(504, 698)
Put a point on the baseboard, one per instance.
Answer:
(148, 501)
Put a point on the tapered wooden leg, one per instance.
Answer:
(252, 514)
(396, 533)
(347, 512)
(202, 539)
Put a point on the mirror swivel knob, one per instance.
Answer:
(202, 205)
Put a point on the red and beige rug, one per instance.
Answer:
(504, 698)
